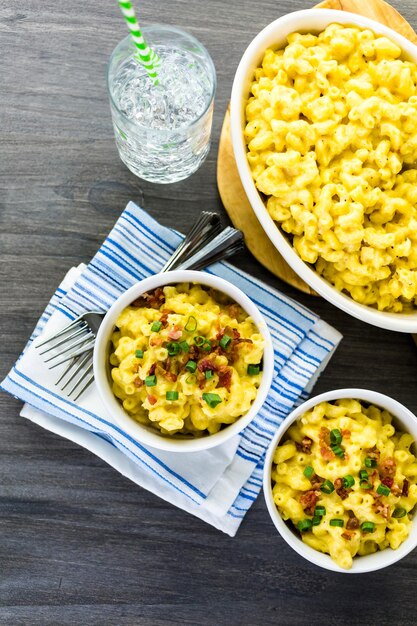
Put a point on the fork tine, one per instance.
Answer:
(87, 384)
(80, 342)
(81, 379)
(88, 346)
(74, 334)
(67, 369)
(61, 332)
(79, 365)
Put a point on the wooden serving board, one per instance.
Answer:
(231, 189)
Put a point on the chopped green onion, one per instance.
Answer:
(190, 380)
(399, 512)
(171, 395)
(199, 340)
(139, 354)
(184, 346)
(363, 475)
(209, 374)
(316, 520)
(337, 522)
(253, 370)
(335, 436)
(156, 327)
(327, 487)
(304, 525)
(173, 348)
(191, 366)
(212, 399)
(225, 341)
(338, 451)
(320, 510)
(383, 490)
(367, 527)
(348, 481)
(191, 324)
(365, 484)
(308, 471)
(370, 462)
(150, 381)
(206, 345)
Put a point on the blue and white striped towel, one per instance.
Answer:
(218, 485)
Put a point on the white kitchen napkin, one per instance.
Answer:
(218, 485)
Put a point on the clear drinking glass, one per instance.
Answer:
(163, 131)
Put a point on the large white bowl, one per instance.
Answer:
(404, 420)
(274, 36)
(102, 377)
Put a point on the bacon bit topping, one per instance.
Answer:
(169, 369)
(341, 491)
(387, 467)
(153, 299)
(346, 433)
(382, 509)
(305, 445)
(152, 369)
(164, 317)
(326, 453)
(406, 485)
(152, 400)
(347, 536)
(308, 501)
(156, 341)
(138, 382)
(352, 522)
(325, 450)
(373, 453)
(324, 435)
(225, 377)
(316, 481)
(388, 481)
(206, 364)
(231, 332)
(175, 333)
(194, 353)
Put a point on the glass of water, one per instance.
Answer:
(162, 131)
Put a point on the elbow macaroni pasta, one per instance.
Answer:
(190, 324)
(367, 433)
(332, 143)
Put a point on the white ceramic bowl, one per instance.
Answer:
(274, 35)
(102, 377)
(404, 420)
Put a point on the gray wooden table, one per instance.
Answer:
(79, 543)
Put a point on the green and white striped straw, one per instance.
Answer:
(144, 55)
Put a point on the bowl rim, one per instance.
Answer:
(362, 564)
(142, 433)
(400, 322)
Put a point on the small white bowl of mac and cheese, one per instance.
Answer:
(183, 361)
(324, 126)
(340, 480)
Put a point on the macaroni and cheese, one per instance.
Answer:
(186, 360)
(346, 479)
(332, 143)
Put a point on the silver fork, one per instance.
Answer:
(82, 331)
